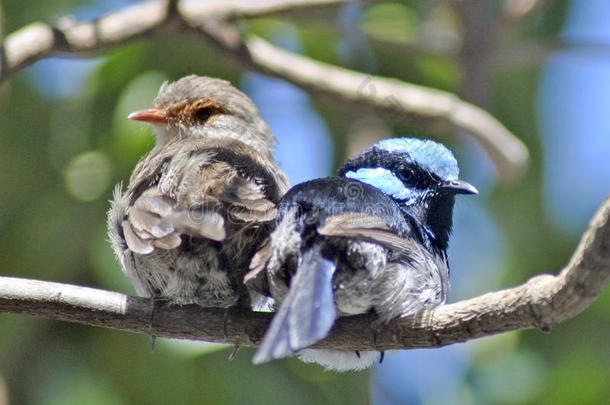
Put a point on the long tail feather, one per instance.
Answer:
(307, 313)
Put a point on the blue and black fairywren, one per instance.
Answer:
(201, 201)
(373, 238)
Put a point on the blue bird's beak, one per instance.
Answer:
(458, 187)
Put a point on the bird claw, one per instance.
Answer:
(155, 302)
(225, 321)
(234, 352)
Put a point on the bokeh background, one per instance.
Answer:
(541, 67)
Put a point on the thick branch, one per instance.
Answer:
(539, 303)
(416, 106)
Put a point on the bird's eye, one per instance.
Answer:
(406, 174)
(204, 113)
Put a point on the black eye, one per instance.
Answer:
(407, 174)
(204, 113)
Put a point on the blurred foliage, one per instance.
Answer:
(61, 155)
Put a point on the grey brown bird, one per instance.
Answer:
(199, 203)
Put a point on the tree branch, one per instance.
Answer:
(416, 106)
(232, 10)
(40, 40)
(410, 104)
(539, 303)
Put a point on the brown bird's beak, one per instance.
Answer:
(152, 116)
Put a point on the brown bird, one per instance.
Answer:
(201, 201)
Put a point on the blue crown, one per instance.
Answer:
(429, 155)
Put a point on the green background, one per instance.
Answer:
(60, 157)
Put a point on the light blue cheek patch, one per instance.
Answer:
(382, 179)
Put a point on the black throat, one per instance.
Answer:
(433, 216)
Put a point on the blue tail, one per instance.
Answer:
(306, 314)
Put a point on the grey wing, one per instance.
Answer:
(155, 221)
(174, 205)
(413, 278)
(195, 196)
(368, 227)
(248, 200)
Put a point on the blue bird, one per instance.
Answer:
(373, 238)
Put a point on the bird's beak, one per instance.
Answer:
(459, 187)
(152, 116)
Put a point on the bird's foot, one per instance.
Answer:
(234, 352)
(155, 302)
